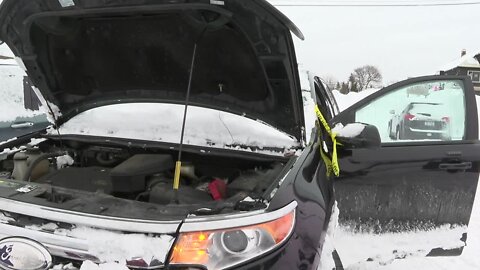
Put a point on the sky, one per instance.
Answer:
(401, 41)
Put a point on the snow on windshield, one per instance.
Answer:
(163, 123)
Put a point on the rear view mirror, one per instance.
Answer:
(357, 135)
(392, 112)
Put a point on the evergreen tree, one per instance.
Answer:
(353, 86)
(344, 89)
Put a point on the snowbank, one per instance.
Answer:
(345, 101)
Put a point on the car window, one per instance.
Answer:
(426, 111)
(330, 98)
(20, 112)
(326, 106)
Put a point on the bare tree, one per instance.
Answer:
(366, 75)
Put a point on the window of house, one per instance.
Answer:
(475, 75)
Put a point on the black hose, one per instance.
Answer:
(41, 158)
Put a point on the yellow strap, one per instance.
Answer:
(323, 121)
(176, 179)
(330, 163)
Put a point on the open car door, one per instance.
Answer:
(413, 195)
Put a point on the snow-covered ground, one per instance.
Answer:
(354, 249)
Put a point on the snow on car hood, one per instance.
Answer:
(94, 53)
(163, 123)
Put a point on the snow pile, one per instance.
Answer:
(113, 249)
(349, 131)
(88, 265)
(127, 246)
(5, 219)
(64, 267)
(163, 123)
(345, 101)
(64, 161)
(309, 111)
(308, 103)
(45, 227)
(364, 250)
(326, 263)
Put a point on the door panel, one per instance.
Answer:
(426, 171)
(398, 185)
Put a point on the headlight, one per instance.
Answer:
(223, 248)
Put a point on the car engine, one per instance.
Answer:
(139, 174)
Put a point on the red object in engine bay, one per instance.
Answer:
(218, 189)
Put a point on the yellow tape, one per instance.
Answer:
(176, 179)
(331, 163)
(323, 121)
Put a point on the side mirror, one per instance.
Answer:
(392, 112)
(358, 135)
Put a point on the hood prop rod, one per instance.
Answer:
(178, 164)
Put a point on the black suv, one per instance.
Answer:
(106, 183)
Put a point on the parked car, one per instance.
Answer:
(20, 97)
(22, 126)
(252, 194)
(420, 120)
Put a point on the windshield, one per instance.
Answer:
(163, 122)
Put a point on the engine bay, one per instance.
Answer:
(142, 175)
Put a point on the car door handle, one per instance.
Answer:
(455, 166)
(22, 125)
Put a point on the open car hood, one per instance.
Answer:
(83, 54)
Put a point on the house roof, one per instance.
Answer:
(470, 60)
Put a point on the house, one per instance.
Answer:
(467, 64)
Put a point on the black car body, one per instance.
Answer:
(84, 196)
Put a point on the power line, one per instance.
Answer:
(379, 4)
(314, 2)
